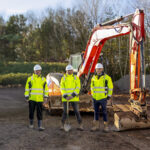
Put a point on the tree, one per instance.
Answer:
(14, 31)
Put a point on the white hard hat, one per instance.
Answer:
(37, 67)
(99, 65)
(69, 67)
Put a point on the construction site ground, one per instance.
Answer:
(15, 134)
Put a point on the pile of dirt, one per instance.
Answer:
(123, 84)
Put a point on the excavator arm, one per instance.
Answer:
(103, 32)
(94, 47)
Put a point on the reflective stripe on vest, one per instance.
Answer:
(36, 93)
(110, 89)
(36, 89)
(27, 89)
(99, 88)
(67, 93)
(67, 89)
(100, 91)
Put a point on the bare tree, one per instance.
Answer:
(92, 10)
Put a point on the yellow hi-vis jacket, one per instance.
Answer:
(70, 84)
(36, 88)
(101, 88)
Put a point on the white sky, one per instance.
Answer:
(10, 7)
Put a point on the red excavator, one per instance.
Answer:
(138, 114)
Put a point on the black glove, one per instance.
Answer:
(65, 96)
(108, 97)
(27, 98)
(73, 94)
(45, 98)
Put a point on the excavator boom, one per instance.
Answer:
(102, 33)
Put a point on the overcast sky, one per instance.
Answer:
(10, 7)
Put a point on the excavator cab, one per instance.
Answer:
(75, 60)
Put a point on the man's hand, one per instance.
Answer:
(27, 99)
(45, 100)
(108, 97)
(65, 96)
(69, 97)
(73, 94)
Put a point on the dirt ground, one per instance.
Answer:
(15, 134)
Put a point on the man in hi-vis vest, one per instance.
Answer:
(101, 90)
(70, 88)
(36, 92)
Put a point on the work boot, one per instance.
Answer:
(95, 125)
(106, 128)
(40, 128)
(80, 127)
(62, 126)
(31, 126)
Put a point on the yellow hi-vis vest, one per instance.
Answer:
(36, 88)
(102, 87)
(68, 85)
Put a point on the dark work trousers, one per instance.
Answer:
(38, 106)
(97, 104)
(76, 111)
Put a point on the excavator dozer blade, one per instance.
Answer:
(128, 120)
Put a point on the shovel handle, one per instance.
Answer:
(67, 108)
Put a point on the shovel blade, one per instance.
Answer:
(67, 127)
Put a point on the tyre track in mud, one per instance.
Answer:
(138, 138)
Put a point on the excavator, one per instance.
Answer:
(138, 112)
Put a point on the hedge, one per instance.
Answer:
(16, 73)
(148, 70)
(25, 67)
(14, 79)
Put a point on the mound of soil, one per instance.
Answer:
(123, 84)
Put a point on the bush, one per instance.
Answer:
(148, 70)
(14, 73)
(24, 67)
(14, 79)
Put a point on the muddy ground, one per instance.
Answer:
(15, 134)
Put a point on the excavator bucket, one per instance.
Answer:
(128, 120)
